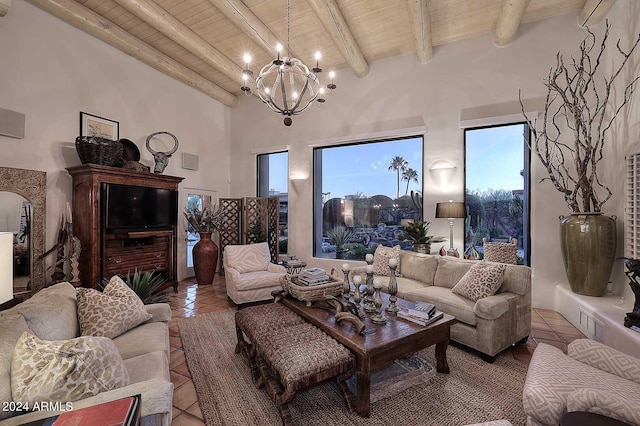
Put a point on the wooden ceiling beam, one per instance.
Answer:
(509, 21)
(88, 21)
(171, 27)
(5, 5)
(329, 14)
(421, 28)
(593, 11)
(242, 17)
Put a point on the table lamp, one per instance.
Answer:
(452, 211)
(6, 266)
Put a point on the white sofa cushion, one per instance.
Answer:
(248, 258)
(51, 313)
(255, 280)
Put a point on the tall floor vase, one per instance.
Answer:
(205, 259)
(588, 242)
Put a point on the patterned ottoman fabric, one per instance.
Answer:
(553, 378)
(305, 354)
(255, 321)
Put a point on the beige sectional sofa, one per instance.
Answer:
(51, 314)
(489, 325)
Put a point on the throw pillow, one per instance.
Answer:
(110, 313)
(483, 279)
(381, 260)
(12, 326)
(65, 370)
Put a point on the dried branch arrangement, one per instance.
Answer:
(578, 101)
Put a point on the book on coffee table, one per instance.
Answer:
(422, 310)
(404, 314)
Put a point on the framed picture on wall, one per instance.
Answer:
(92, 125)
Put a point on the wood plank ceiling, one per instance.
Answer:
(202, 42)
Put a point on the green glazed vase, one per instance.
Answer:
(588, 243)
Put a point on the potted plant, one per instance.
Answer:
(205, 252)
(416, 232)
(146, 285)
(340, 235)
(569, 141)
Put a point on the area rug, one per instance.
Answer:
(474, 391)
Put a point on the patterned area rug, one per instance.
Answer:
(474, 391)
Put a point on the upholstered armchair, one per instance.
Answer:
(590, 377)
(249, 274)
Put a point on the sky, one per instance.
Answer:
(494, 158)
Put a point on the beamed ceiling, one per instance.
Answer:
(202, 42)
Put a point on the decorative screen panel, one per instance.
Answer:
(632, 220)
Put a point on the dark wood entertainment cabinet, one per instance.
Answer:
(106, 254)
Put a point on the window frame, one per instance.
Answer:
(317, 177)
(526, 244)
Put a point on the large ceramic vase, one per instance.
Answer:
(588, 243)
(205, 259)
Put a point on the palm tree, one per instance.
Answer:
(410, 175)
(399, 164)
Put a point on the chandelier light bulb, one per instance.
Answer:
(317, 68)
(247, 59)
(295, 95)
(331, 86)
(267, 90)
(279, 48)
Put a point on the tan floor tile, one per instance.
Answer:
(545, 313)
(195, 410)
(186, 420)
(175, 341)
(175, 412)
(177, 358)
(568, 338)
(182, 369)
(547, 335)
(178, 379)
(174, 331)
(566, 329)
(185, 396)
(542, 326)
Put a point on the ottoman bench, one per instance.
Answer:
(287, 354)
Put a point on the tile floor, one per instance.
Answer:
(546, 326)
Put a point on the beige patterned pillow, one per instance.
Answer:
(65, 370)
(481, 280)
(110, 313)
(381, 260)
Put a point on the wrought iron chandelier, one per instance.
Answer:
(286, 84)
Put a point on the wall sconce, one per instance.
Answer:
(442, 171)
(6, 266)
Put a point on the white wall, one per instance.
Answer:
(51, 71)
(400, 91)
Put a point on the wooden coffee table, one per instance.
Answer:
(394, 340)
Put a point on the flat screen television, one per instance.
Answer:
(138, 208)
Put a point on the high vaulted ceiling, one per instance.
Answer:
(202, 42)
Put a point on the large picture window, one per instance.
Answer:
(497, 188)
(273, 173)
(362, 196)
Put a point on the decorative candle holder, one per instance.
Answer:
(377, 318)
(346, 287)
(393, 289)
(357, 296)
(368, 298)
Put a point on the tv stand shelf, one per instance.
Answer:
(106, 254)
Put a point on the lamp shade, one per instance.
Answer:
(451, 210)
(6, 266)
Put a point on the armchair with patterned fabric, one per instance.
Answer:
(591, 377)
(249, 274)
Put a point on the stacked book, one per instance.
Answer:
(313, 276)
(422, 313)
